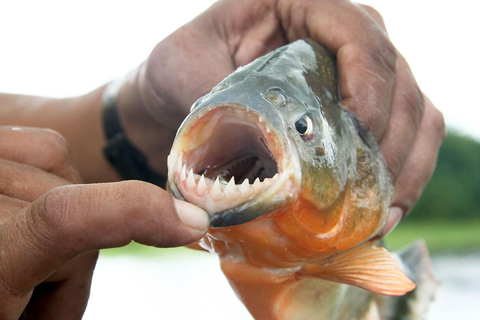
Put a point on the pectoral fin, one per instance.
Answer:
(371, 268)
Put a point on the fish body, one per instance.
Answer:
(296, 186)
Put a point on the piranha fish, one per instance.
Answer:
(297, 189)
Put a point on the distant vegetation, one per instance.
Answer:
(454, 191)
(447, 215)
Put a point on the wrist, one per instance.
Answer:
(77, 119)
(82, 127)
(145, 123)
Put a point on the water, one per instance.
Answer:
(193, 287)
(165, 287)
(459, 294)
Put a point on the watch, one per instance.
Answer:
(128, 161)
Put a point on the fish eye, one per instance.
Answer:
(304, 127)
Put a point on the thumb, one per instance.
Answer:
(70, 220)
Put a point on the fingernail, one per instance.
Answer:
(191, 215)
(394, 217)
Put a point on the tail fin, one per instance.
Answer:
(415, 262)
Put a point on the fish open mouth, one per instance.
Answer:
(225, 158)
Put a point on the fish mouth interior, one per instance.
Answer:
(226, 157)
(236, 151)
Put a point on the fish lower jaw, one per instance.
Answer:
(216, 196)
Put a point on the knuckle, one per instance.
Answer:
(377, 121)
(414, 104)
(374, 14)
(57, 147)
(438, 123)
(46, 216)
(59, 158)
(394, 166)
(52, 220)
(384, 54)
(41, 229)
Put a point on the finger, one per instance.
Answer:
(73, 219)
(9, 207)
(405, 116)
(419, 166)
(65, 293)
(376, 16)
(406, 111)
(365, 56)
(25, 182)
(250, 32)
(44, 149)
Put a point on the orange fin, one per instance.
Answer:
(370, 268)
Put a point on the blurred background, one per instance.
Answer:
(65, 48)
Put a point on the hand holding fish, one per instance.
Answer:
(375, 80)
(50, 233)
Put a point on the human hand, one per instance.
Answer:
(375, 80)
(51, 230)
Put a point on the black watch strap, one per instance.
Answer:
(129, 162)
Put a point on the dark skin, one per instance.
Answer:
(52, 226)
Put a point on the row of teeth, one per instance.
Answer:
(219, 190)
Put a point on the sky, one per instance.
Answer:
(64, 48)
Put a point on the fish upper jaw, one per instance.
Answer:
(231, 162)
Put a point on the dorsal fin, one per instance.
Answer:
(370, 268)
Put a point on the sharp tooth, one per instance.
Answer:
(246, 189)
(180, 158)
(183, 174)
(257, 185)
(275, 177)
(171, 161)
(231, 192)
(260, 119)
(202, 185)
(191, 180)
(268, 129)
(217, 192)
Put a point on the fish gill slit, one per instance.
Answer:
(273, 57)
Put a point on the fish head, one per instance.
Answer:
(232, 159)
(271, 134)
